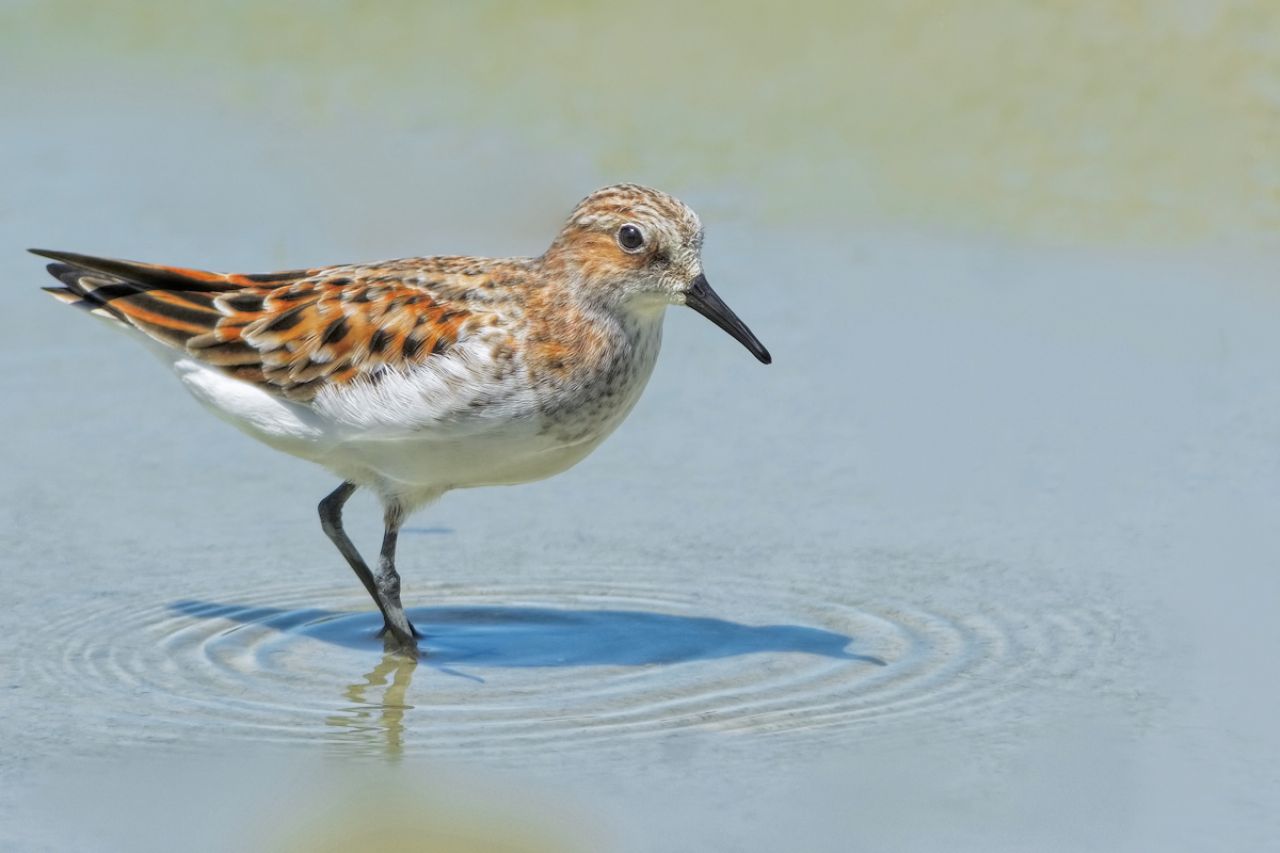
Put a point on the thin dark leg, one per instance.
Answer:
(388, 581)
(331, 522)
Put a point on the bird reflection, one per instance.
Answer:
(369, 718)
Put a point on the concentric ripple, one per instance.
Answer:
(507, 665)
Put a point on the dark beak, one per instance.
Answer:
(703, 299)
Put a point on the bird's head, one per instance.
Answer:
(638, 248)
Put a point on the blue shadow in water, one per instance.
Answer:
(543, 636)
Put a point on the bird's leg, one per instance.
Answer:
(331, 522)
(388, 581)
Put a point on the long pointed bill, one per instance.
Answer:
(705, 301)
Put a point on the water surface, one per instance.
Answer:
(985, 560)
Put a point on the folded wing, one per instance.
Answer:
(292, 333)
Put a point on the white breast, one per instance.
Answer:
(458, 421)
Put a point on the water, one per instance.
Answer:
(637, 660)
(984, 560)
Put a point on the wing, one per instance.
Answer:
(293, 333)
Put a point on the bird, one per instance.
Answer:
(414, 377)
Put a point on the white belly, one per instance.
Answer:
(409, 440)
(429, 464)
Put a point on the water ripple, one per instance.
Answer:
(510, 665)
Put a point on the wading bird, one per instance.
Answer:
(416, 376)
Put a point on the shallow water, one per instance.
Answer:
(635, 660)
(985, 560)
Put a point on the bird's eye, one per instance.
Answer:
(630, 238)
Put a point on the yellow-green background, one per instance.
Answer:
(1111, 121)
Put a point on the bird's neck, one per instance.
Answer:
(580, 334)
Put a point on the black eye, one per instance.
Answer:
(630, 238)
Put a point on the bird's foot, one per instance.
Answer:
(387, 629)
(401, 638)
(393, 642)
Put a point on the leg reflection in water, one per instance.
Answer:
(379, 723)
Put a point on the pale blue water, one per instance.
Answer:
(986, 560)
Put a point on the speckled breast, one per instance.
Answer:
(587, 410)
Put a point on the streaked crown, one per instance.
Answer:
(628, 240)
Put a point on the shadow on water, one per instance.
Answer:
(493, 636)
(477, 636)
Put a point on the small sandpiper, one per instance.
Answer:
(413, 377)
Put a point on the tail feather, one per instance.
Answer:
(169, 304)
(143, 276)
(64, 295)
(87, 292)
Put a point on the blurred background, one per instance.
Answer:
(985, 560)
